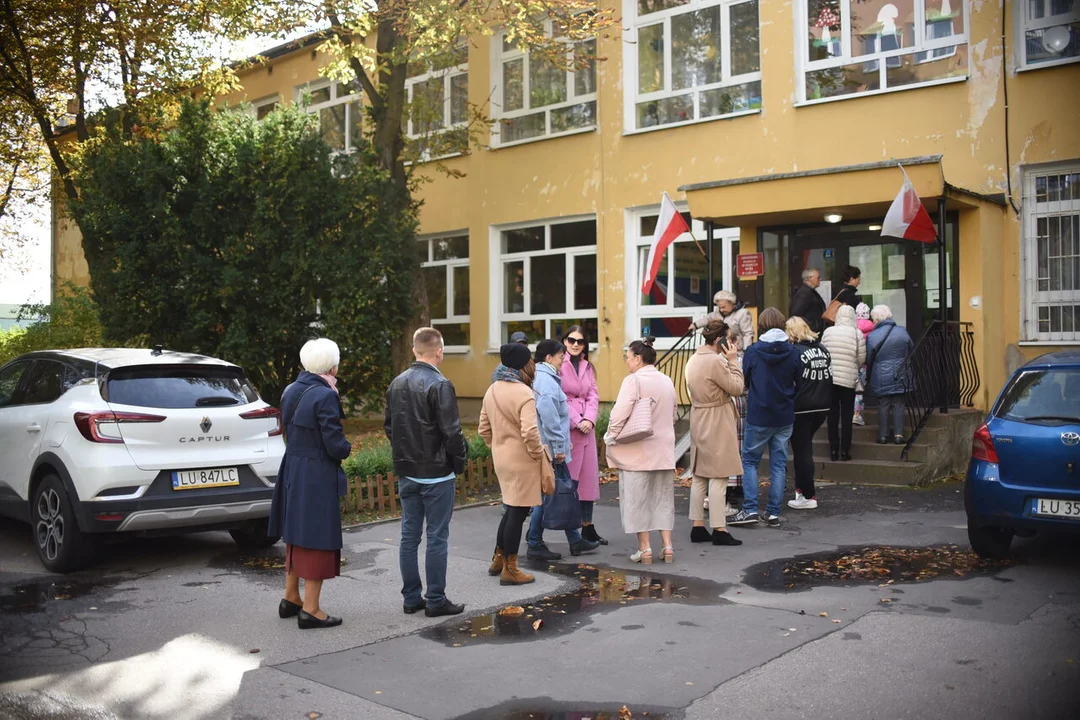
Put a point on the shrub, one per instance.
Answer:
(478, 449)
(602, 421)
(373, 459)
(71, 321)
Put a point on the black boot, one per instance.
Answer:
(582, 546)
(589, 533)
(723, 537)
(700, 534)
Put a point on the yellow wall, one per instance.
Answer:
(606, 172)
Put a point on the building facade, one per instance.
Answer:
(760, 118)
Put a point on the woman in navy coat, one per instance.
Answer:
(306, 509)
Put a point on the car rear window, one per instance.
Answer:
(173, 386)
(1043, 396)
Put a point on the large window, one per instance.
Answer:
(547, 279)
(340, 112)
(691, 60)
(535, 98)
(858, 47)
(681, 291)
(438, 94)
(444, 260)
(1048, 32)
(1052, 254)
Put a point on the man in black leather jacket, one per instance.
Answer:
(806, 303)
(424, 430)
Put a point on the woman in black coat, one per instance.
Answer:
(849, 293)
(306, 509)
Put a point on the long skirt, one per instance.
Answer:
(311, 564)
(647, 500)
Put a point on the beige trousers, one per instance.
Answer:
(716, 488)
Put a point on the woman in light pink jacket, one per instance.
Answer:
(646, 466)
(579, 384)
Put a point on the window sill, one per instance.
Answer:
(1051, 64)
(1050, 343)
(496, 145)
(456, 349)
(642, 131)
(886, 91)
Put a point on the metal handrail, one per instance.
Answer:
(673, 364)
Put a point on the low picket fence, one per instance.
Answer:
(378, 494)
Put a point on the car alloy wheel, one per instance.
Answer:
(49, 528)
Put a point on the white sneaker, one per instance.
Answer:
(802, 503)
(729, 511)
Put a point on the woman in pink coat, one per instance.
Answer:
(579, 384)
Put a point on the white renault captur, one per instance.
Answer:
(121, 440)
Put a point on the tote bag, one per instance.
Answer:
(639, 425)
(562, 511)
(834, 307)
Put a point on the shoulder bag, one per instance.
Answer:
(870, 359)
(639, 425)
(834, 307)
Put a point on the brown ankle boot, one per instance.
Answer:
(511, 575)
(496, 563)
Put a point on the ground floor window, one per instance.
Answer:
(444, 261)
(1051, 246)
(547, 279)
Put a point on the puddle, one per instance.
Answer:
(266, 562)
(34, 597)
(873, 564)
(602, 590)
(541, 710)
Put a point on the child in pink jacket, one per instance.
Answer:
(862, 315)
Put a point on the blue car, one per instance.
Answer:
(1024, 475)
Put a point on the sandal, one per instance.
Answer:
(642, 556)
(668, 554)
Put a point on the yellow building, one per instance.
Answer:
(760, 118)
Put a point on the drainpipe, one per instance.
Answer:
(709, 263)
(943, 304)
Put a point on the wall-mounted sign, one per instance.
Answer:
(750, 265)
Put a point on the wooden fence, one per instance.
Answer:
(379, 493)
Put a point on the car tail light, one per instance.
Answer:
(982, 446)
(262, 414)
(91, 424)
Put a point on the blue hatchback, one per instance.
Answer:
(1024, 474)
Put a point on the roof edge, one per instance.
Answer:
(879, 165)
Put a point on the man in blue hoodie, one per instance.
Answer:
(770, 368)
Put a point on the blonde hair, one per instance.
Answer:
(798, 331)
(426, 341)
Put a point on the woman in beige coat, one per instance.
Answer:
(508, 426)
(646, 467)
(713, 379)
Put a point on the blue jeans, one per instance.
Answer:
(755, 439)
(435, 504)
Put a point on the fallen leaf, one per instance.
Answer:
(836, 621)
(538, 624)
(823, 614)
(689, 684)
(314, 715)
(787, 634)
(791, 629)
(949, 687)
(378, 692)
(253, 650)
(457, 644)
(512, 611)
(625, 714)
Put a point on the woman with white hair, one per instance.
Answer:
(887, 349)
(847, 348)
(733, 313)
(306, 510)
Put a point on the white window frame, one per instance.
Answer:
(922, 48)
(335, 99)
(447, 75)
(256, 105)
(1021, 26)
(1031, 296)
(635, 241)
(498, 277)
(449, 265)
(632, 98)
(499, 56)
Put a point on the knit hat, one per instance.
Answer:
(862, 311)
(515, 356)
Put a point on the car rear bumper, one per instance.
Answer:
(990, 502)
(196, 515)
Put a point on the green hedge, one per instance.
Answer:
(376, 458)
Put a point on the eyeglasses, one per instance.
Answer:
(575, 341)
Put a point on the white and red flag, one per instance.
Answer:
(669, 226)
(907, 218)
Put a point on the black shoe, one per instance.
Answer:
(287, 609)
(773, 520)
(700, 534)
(583, 546)
(589, 533)
(882, 441)
(846, 457)
(541, 552)
(447, 608)
(723, 537)
(411, 609)
(834, 455)
(899, 440)
(306, 621)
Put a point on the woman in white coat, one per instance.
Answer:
(847, 347)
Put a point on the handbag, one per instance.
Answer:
(834, 307)
(547, 474)
(639, 425)
(562, 509)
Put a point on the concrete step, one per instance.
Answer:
(936, 419)
(872, 451)
(862, 472)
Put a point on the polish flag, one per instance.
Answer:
(907, 218)
(669, 226)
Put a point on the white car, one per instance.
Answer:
(122, 440)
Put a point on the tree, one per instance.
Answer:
(70, 321)
(242, 239)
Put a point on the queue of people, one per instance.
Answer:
(539, 418)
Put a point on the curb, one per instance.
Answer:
(373, 523)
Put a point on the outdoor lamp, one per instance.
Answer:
(1056, 39)
(833, 218)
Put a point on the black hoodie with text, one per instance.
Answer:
(813, 384)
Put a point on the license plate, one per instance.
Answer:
(1058, 508)
(207, 478)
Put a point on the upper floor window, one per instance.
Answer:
(261, 108)
(536, 98)
(1048, 32)
(438, 95)
(1052, 254)
(444, 261)
(691, 60)
(858, 47)
(341, 113)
